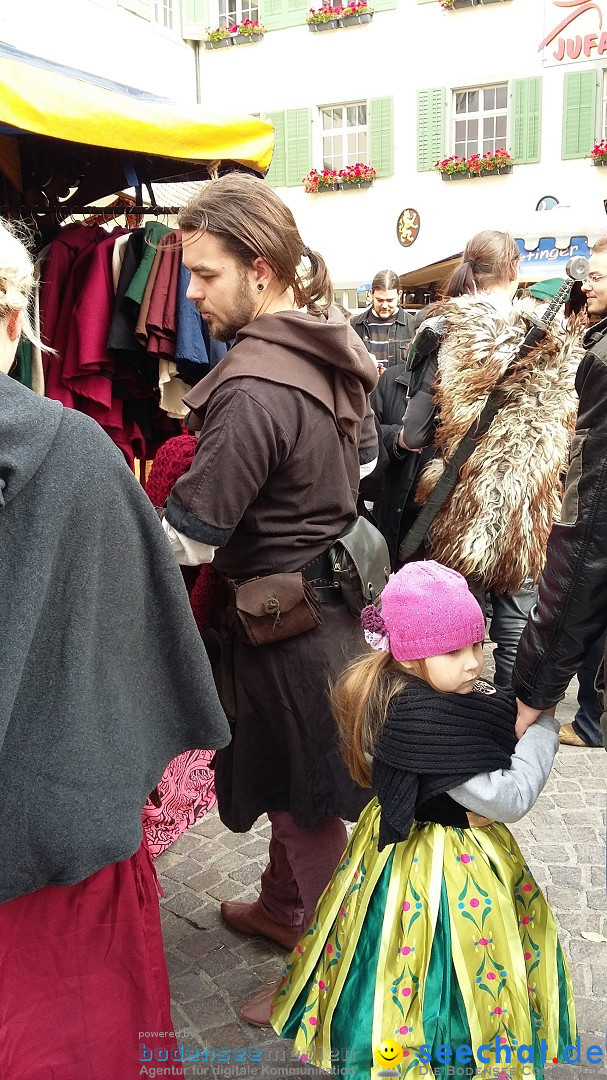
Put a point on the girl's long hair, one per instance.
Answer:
(489, 258)
(360, 697)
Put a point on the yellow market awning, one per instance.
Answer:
(41, 100)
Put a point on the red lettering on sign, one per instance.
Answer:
(603, 44)
(580, 9)
(560, 51)
(574, 47)
(590, 43)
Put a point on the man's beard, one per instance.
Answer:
(241, 314)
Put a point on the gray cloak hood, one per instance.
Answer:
(103, 675)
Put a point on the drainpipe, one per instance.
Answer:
(197, 70)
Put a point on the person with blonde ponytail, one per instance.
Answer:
(423, 936)
(104, 680)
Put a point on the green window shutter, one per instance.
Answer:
(277, 174)
(382, 135)
(430, 127)
(579, 113)
(527, 120)
(143, 8)
(298, 144)
(383, 5)
(194, 20)
(277, 14)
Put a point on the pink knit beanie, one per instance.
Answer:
(426, 610)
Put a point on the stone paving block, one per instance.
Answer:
(199, 943)
(591, 1017)
(209, 825)
(566, 876)
(178, 963)
(255, 848)
(597, 876)
(174, 928)
(258, 950)
(247, 874)
(183, 902)
(240, 984)
(219, 960)
(563, 899)
(205, 878)
(210, 1011)
(206, 916)
(183, 870)
(186, 988)
(597, 900)
(167, 859)
(228, 889)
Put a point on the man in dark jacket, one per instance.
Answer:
(572, 603)
(273, 483)
(385, 329)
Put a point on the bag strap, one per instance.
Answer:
(450, 476)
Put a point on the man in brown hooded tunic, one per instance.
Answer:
(284, 427)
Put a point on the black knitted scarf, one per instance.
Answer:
(432, 742)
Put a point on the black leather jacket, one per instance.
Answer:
(571, 611)
(398, 343)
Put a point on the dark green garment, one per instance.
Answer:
(153, 232)
(23, 363)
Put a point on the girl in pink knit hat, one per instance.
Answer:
(432, 944)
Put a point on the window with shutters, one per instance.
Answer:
(603, 132)
(480, 120)
(344, 135)
(164, 12)
(232, 12)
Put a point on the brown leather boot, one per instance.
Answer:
(252, 919)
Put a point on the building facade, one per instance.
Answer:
(424, 80)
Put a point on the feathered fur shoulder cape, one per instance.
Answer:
(494, 527)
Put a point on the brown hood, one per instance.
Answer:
(320, 354)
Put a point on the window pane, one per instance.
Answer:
(501, 127)
(501, 97)
(489, 98)
(362, 115)
(460, 130)
(327, 118)
(351, 115)
(473, 102)
(488, 127)
(460, 103)
(362, 147)
(473, 129)
(460, 149)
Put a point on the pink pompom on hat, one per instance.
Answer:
(426, 610)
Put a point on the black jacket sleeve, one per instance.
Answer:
(571, 611)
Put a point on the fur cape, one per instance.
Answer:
(494, 527)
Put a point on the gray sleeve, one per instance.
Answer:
(418, 421)
(508, 794)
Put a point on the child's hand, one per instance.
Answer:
(526, 716)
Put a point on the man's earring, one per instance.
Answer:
(260, 287)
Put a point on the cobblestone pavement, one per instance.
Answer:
(214, 970)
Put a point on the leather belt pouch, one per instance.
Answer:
(276, 607)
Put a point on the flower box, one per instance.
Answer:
(331, 24)
(218, 44)
(599, 153)
(489, 164)
(599, 161)
(349, 185)
(241, 39)
(355, 18)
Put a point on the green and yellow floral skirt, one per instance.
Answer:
(444, 940)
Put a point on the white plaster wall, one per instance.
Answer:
(100, 37)
(413, 47)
